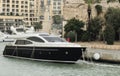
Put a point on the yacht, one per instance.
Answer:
(15, 33)
(44, 47)
(4, 37)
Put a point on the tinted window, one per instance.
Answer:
(20, 30)
(23, 42)
(44, 35)
(36, 39)
(54, 39)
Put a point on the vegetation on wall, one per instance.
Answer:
(108, 1)
(98, 9)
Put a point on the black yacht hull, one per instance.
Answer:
(55, 54)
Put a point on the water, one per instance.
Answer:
(21, 67)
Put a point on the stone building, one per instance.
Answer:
(78, 9)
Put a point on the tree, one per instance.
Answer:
(57, 19)
(38, 25)
(85, 36)
(74, 25)
(98, 9)
(71, 35)
(109, 34)
(95, 28)
(112, 17)
(57, 23)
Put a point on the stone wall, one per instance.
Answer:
(78, 9)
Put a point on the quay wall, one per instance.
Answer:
(105, 55)
(106, 52)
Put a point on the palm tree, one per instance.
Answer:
(89, 2)
(89, 10)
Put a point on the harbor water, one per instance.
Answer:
(22, 67)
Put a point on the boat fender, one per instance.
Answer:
(96, 56)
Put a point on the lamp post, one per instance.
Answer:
(89, 19)
(89, 15)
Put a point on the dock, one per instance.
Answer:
(109, 53)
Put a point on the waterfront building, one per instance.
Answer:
(7, 21)
(31, 11)
(78, 9)
(27, 9)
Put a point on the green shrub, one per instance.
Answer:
(109, 34)
(71, 35)
(85, 36)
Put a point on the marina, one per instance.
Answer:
(23, 67)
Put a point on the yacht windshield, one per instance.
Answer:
(54, 39)
(20, 30)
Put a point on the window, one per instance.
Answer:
(22, 2)
(4, 1)
(8, 1)
(36, 39)
(8, 5)
(42, 17)
(26, 10)
(23, 42)
(13, 6)
(13, 10)
(54, 39)
(48, 2)
(3, 5)
(26, 14)
(13, 1)
(42, 3)
(59, 7)
(17, 6)
(54, 7)
(17, 1)
(26, 2)
(54, 3)
(22, 10)
(7, 13)
(26, 6)
(3, 10)
(22, 6)
(59, 3)
(8, 10)
(17, 10)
